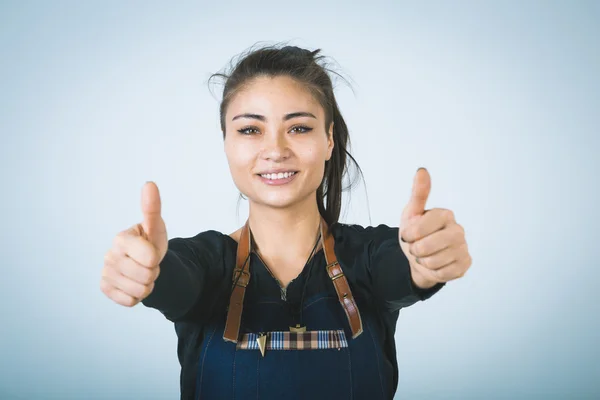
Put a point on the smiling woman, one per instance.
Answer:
(272, 146)
(273, 89)
(294, 304)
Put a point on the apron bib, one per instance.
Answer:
(339, 357)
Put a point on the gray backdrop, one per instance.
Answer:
(499, 100)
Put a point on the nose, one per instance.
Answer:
(275, 147)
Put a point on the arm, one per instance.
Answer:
(184, 273)
(392, 279)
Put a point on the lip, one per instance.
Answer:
(276, 171)
(278, 182)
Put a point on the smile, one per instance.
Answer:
(280, 178)
(280, 175)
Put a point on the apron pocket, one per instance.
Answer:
(283, 340)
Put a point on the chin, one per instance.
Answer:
(278, 196)
(276, 201)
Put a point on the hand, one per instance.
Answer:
(431, 239)
(132, 264)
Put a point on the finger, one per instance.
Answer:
(454, 270)
(451, 236)
(125, 284)
(137, 272)
(443, 258)
(151, 209)
(419, 194)
(130, 268)
(117, 295)
(426, 273)
(432, 221)
(136, 247)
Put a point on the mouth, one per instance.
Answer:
(279, 178)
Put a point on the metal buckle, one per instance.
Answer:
(237, 276)
(337, 276)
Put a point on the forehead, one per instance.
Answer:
(273, 96)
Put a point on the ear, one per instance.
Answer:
(330, 142)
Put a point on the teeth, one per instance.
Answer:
(281, 175)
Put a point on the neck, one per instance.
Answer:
(286, 232)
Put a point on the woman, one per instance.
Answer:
(294, 304)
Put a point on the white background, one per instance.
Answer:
(500, 101)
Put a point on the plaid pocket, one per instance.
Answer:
(310, 340)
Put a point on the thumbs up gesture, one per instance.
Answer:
(431, 239)
(131, 265)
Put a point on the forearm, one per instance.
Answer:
(177, 288)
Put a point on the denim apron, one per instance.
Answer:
(328, 361)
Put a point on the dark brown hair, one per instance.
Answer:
(306, 67)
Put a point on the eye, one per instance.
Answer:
(251, 130)
(301, 129)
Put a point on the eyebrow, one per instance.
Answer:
(285, 117)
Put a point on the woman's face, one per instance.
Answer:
(275, 142)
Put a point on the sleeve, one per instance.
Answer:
(390, 272)
(184, 275)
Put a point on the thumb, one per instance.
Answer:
(420, 193)
(153, 224)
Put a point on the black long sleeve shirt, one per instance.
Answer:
(195, 283)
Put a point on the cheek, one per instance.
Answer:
(315, 157)
(240, 159)
(237, 155)
(318, 153)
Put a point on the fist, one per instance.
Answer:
(432, 240)
(131, 265)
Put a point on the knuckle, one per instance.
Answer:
(434, 276)
(149, 289)
(146, 254)
(116, 267)
(418, 232)
(105, 287)
(146, 276)
(138, 291)
(443, 213)
(107, 272)
(423, 248)
(108, 258)
(417, 249)
(412, 248)
(119, 241)
(152, 257)
(468, 262)
(439, 275)
(119, 236)
(129, 301)
(460, 232)
(143, 292)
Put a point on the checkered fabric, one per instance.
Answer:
(310, 340)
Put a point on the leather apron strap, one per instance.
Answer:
(342, 288)
(241, 277)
